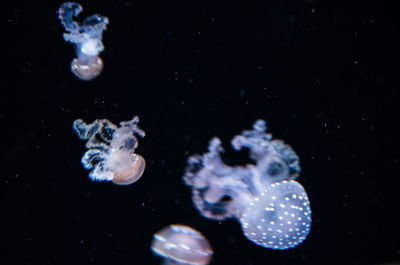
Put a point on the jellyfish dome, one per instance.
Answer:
(279, 218)
(181, 244)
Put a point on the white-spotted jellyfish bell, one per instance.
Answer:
(86, 37)
(272, 208)
(181, 244)
(111, 155)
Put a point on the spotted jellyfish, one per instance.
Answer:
(272, 208)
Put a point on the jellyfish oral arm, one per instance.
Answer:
(66, 13)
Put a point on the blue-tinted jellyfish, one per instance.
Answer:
(111, 155)
(272, 208)
(86, 37)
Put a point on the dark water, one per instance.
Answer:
(321, 73)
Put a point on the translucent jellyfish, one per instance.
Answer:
(86, 37)
(264, 197)
(111, 155)
(180, 244)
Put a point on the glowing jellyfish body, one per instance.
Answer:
(281, 214)
(86, 37)
(111, 155)
(271, 206)
(180, 244)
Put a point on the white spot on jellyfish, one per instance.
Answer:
(263, 196)
(180, 244)
(86, 37)
(111, 154)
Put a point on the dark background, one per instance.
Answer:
(323, 74)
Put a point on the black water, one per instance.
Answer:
(323, 74)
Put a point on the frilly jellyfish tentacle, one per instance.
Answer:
(92, 157)
(256, 140)
(99, 134)
(82, 129)
(217, 188)
(66, 13)
(101, 173)
(94, 26)
(133, 125)
(212, 160)
(273, 157)
(250, 193)
(286, 153)
(260, 126)
(125, 135)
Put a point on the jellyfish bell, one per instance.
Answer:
(87, 70)
(279, 218)
(181, 244)
(129, 171)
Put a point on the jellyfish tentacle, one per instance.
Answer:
(66, 13)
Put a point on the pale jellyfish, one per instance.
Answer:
(111, 155)
(181, 244)
(86, 37)
(264, 197)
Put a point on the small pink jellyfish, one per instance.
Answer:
(87, 39)
(111, 154)
(181, 244)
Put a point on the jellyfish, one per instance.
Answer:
(111, 155)
(181, 244)
(86, 37)
(271, 206)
